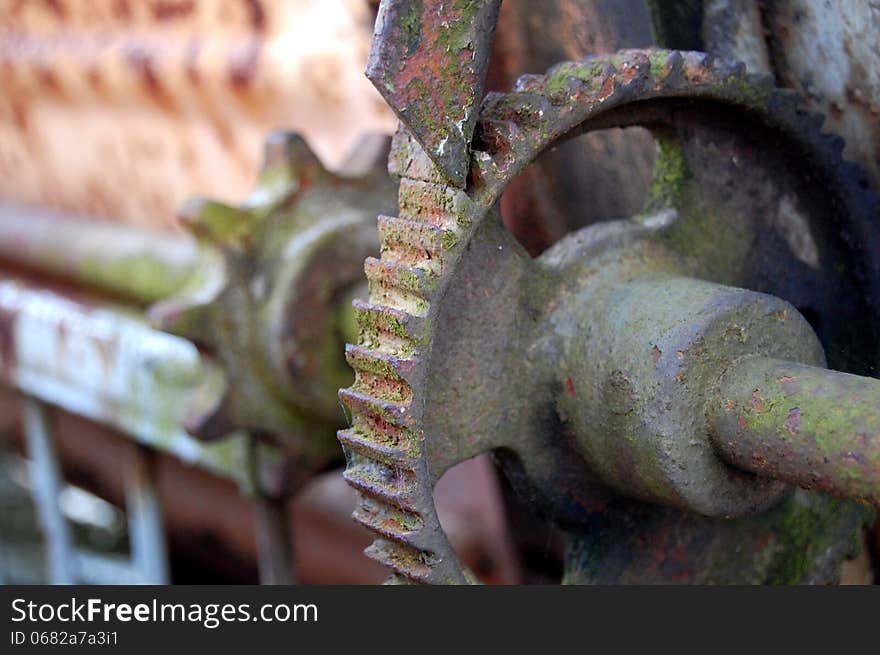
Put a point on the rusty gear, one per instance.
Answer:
(389, 458)
(272, 299)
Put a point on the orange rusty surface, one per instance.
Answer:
(125, 108)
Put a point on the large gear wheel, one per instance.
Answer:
(457, 328)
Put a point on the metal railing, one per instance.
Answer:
(102, 361)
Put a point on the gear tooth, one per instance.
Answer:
(181, 317)
(674, 61)
(408, 564)
(368, 154)
(391, 411)
(672, 70)
(289, 164)
(191, 211)
(390, 367)
(288, 152)
(395, 486)
(637, 59)
(388, 520)
(369, 446)
(217, 223)
(388, 329)
(526, 83)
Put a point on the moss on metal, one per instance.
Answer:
(671, 174)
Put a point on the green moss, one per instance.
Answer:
(142, 277)
(805, 528)
(414, 444)
(557, 82)
(671, 173)
(411, 26)
(448, 239)
(746, 92)
(376, 367)
(410, 279)
(658, 63)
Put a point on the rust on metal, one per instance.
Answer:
(811, 427)
(429, 61)
(106, 364)
(599, 176)
(276, 308)
(825, 51)
(452, 291)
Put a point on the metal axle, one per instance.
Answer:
(811, 427)
(139, 265)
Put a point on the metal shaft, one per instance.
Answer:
(812, 427)
(134, 263)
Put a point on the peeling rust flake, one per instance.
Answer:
(429, 61)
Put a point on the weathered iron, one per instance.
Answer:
(279, 307)
(825, 51)
(588, 369)
(813, 428)
(429, 60)
(263, 293)
(267, 287)
(105, 363)
(600, 176)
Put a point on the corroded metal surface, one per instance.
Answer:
(108, 365)
(125, 109)
(600, 176)
(267, 285)
(211, 525)
(276, 310)
(455, 304)
(827, 51)
(812, 427)
(429, 60)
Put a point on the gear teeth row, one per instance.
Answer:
(386, 459)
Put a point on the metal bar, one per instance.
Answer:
(145, 524)
(106, 364)
(46, 488)
(104, 569)
(274, 547)
(815, 428)
(138, 264)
